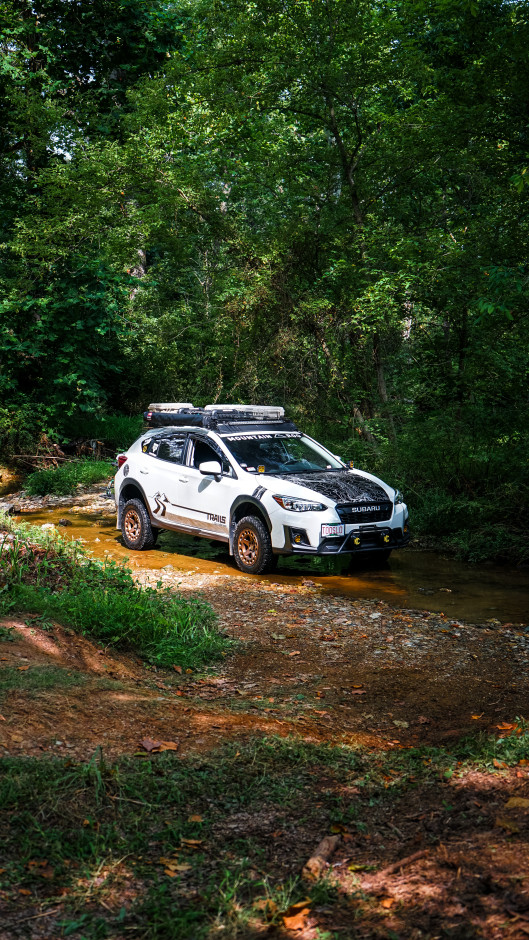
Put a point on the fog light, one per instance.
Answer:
(386, 538)
(356, 541)
(299, 537)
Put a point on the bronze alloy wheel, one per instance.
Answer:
(248, 547)
(132, 525)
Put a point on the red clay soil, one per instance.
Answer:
(452, 863)
(329, 669)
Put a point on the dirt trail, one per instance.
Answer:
(443, 858)
(329, 669)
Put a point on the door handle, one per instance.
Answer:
(183, 479)
(144, 471)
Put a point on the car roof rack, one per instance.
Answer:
(223, 418)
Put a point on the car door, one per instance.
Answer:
(164, 483)
(209, 499)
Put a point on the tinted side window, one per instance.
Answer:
(203, 452)
(170, 449)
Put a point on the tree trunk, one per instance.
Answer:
(381, 383)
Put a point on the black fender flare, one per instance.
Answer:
(251, 501)
(128, 481)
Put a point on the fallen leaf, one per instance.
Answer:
(267, 905)
(195, 818)
(155, 747)
(24, 891)
(476, 717)
(388, 902)
(22, 668)
(295, 653)
(498, 763)
(149, 745)
(177, 669)
(517, 802)
(503, 823)
(169, 746)
(296, 916)
(358, 691)
(505, 726)
(192, 843)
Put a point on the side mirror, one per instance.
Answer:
(211, 468)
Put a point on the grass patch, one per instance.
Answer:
(37, 679)
(64, 480)
(171, 847)
(101, 600)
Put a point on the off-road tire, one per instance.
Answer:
(136, 529)
(252, 548)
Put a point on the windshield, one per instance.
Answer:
(280, 453)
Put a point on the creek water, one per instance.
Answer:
(410, 579)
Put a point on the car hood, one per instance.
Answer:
(340, 486)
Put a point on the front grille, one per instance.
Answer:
(352, 513)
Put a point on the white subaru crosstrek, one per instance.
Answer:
(247, 476)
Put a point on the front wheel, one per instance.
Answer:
(136, 528)
(252, 547)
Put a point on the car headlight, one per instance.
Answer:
(299, 505)
(398, 498)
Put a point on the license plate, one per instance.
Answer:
(327, 530)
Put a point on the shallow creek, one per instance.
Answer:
(410, 579)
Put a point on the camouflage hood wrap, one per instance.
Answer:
(340, 486)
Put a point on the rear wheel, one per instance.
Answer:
(136, 528)
(252, 547)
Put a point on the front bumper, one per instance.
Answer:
(366, 539)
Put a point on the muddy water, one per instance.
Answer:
(414, 579)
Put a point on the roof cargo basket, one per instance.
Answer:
(220, 417)
(265, 412)
(172, 406)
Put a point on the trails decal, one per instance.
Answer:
(212, 518)
(162, 502)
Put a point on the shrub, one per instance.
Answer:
(63, 480)
(114, 431)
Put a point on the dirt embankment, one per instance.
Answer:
(329, 669)
(442, 859)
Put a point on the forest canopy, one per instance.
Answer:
(314, 203)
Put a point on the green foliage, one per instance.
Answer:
(317, 205)
(114, 431)
(64, 480)
(78, 817)
(104, 602)
(21, 426)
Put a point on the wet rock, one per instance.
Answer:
(65, 522)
